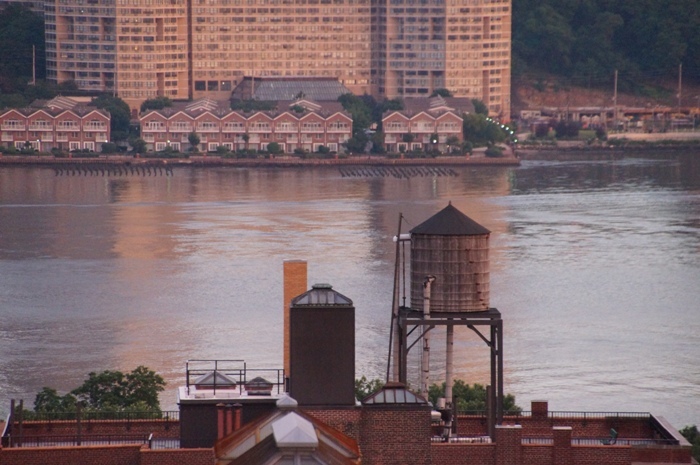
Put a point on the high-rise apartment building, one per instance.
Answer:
(231, 39)
(459, 45)
(140, 49)
(137, 49)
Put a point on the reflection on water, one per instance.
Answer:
(594, 267)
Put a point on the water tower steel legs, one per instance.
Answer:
(409, 320)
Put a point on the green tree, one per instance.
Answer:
(194, 141)
(470, 398)
(119, 112)
(274, 148)
(692, 434)
(138, 145)
(442, 92)
(365, 387)
(361, 111)
(114, 390)
(480, 130)
(20, 30)
(48, 401)
(157, 103)
(480, 107)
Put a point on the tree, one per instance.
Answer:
(470, 398)
(108, 391)
(48, 401)
(361, 111)
(692, 434)
(194, 141)
(119, 112)
(157, 103)
(274, 148)
(366, 387)
(138, 145)
(113, 390)
(480, 107)
(442, 92)
(109, 147)
(20, 30)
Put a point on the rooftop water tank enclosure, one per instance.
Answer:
(322, 348)
(454, 249)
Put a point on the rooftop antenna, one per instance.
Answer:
(33, 66)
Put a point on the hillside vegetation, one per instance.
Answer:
(583, 42)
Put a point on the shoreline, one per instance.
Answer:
(280, 162)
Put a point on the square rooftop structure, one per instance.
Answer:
(228, 382)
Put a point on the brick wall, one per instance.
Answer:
(393, 435)
(581, 427)
(661, 454)
(509, 445)
(345, 420)
(159, 428)
(537, 454)
(90, 455)
(178, 457)
(609, 455)
(464, 454)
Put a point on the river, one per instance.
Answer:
(595, 267)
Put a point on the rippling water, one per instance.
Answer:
(595, 268)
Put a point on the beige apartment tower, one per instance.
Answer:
(136, 49)
(460, 45)
(183, 49)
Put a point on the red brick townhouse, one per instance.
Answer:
(301, 124)
(61, 123)
(426, 124)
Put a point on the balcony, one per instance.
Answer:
(8, 127)
(7, 138)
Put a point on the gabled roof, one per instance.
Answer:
(394, 394)
(450, 222)
(287, 435)
(209, 379)
(322, 295)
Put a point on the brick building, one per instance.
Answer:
(426, 124)
(231, 414)
(300, 124)
(62, 123)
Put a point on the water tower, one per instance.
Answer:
(449, 286)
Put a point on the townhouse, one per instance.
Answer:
(293, 125)
(62, 124)
(426, 124)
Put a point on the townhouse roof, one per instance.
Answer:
(434, 106)
(57, 106)
(221, 108)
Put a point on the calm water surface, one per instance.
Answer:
(595, 268)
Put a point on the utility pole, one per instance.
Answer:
(680, 85)
(33, 65)
(615, 103)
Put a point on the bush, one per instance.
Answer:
(494, 151)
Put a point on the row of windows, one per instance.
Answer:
(238, 126)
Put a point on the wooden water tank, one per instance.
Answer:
(455, 249)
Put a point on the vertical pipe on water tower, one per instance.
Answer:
(425, 360)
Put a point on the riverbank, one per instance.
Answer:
(280, 162)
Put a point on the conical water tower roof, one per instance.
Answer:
(450, 222)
